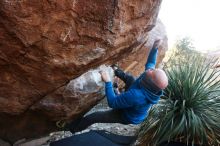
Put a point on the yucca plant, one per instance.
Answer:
(190, 109)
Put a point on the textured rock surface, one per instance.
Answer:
(46, 43)
(140, 54)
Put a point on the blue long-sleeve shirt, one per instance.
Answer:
(136, 101)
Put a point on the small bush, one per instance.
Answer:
(190, 110)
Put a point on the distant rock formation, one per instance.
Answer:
(214, 55)
(46, 44)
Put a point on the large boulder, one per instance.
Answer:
(44, 44)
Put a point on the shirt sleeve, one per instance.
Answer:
(152, 59)
(123, 100)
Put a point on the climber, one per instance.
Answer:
(131, 106)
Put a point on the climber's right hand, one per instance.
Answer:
(157, 44)
(105, 76)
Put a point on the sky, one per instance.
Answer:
(197, 19)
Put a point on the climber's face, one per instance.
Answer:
(150, 76)
(150, 73)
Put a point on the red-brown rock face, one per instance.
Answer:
(46, 43)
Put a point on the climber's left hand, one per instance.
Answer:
(105, 76)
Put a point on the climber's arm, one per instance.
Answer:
(122, 100)
(152, 58)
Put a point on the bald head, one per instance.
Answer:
(159, 77)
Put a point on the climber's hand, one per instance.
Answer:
(157, 44)
(105, 76)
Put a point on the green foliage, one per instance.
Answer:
(181, 51)
(190, 111)
(185, 45)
